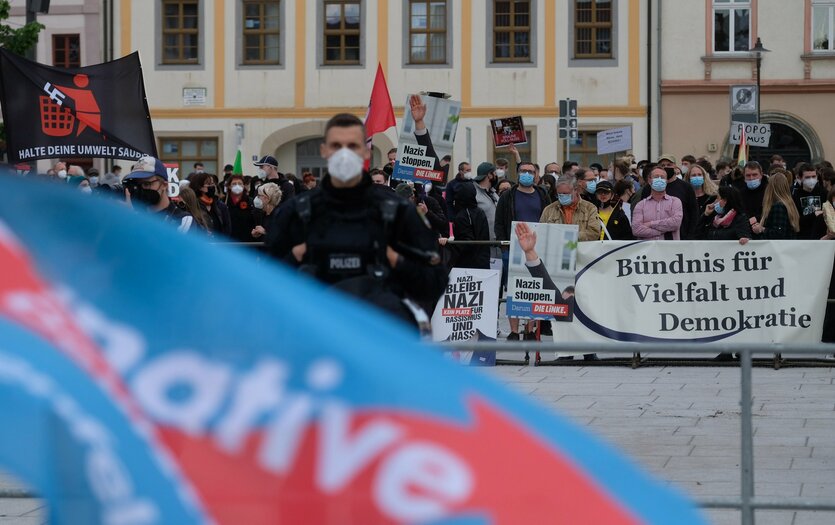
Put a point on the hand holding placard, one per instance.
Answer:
(418, 109)
(527, 241)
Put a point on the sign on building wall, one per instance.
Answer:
(743, 99)
(194, 96)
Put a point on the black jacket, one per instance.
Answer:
(219, 220)
(243, 219)
(689, 205)
(740, 227)
(451, 190)
(812, 226)
(346, 236)
(618, 225)
(435, 215)
(752, 200)
(470, 225)
(506, 211)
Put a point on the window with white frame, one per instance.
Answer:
(823, 25)
(731, 26)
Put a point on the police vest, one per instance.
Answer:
(350, 243)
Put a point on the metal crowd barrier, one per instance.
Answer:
(747, 502)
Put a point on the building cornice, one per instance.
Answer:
(775, 87)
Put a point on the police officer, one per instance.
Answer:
(359, 236)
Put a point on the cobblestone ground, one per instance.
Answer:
(680, 423)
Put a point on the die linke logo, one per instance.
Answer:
(58, 120)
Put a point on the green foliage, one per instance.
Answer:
(17, 40)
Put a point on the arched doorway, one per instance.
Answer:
(283, 145)
(308, 157)
(791, 138)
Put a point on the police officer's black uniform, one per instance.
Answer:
(347, 231)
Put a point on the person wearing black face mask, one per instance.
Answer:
(204, 186)
(147, 187)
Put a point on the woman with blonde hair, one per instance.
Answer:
(188, 202)
(269, 195)
(703, 185)
(780, 219)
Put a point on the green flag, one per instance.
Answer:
(238, 169)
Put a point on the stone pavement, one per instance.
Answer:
(683, 425)
(680, 423)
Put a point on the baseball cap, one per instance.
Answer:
(604, 185)
(267, 159)
(147, 167)
(483, 170)
(667, 156)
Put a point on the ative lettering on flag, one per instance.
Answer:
(293, 423)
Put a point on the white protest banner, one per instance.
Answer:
(543, 291)
(418, 154)
(469, 311)
(469, 307)
(614, 140)
(757, 135)
(701, 291)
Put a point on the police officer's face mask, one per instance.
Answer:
(344, 165)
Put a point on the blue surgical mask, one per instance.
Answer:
(659, 184)
(697, 181)
(753, 184)
(526, 179)
(591, 186)
(718, 208)
(565, 198)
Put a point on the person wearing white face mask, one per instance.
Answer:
(502, 166)
(265, 204)
(358, 236)
(60, 170)
(808, 199)
(659, 216)
(268, 171)
(241, 210)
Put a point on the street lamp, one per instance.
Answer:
(758, 54)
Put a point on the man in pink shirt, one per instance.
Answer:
(658, 217)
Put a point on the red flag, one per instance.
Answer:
(380, 116)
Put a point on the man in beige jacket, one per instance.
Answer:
(571, 209)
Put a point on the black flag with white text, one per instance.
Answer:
(95, 111)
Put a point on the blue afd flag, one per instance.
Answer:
(283, 402)
(66, 438)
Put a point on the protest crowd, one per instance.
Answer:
(393, 242)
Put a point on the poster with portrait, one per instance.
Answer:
(541, 271)
(421, 145)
